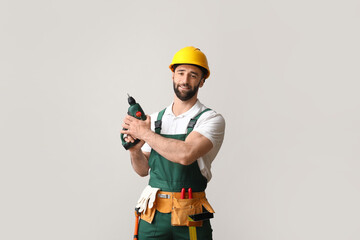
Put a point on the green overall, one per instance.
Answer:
(172, 177)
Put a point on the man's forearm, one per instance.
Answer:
(139, 162)
(178, 151)
(174, 150)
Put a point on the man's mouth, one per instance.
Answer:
(184, 87)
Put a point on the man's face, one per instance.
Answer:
(187, 79)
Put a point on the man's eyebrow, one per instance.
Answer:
(183, 70)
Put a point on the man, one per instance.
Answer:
(177, 147)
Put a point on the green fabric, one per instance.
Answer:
(170, 176)
(161, 229)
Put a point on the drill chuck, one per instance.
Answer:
(131, 100)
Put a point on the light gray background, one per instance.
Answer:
(284, 74)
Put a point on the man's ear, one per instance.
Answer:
(202, 81)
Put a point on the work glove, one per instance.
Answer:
(147, 198)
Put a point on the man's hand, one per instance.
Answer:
(136, 129)
(136, 147)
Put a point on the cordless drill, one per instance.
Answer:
(136, 111)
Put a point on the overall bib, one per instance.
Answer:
(172, 177)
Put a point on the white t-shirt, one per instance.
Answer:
(210, 124)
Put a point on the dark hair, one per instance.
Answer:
(203, 70)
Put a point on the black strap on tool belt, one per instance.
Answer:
(201, 216)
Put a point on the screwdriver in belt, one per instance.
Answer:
(183, 193)
(192, 230)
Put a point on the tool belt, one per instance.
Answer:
(180, 209)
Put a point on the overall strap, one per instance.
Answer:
(193, 121)
(158, 121)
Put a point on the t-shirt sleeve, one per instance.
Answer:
(212, 126)
(146, 148)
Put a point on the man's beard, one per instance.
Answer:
(186, 95)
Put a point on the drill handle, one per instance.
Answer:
(128, 145)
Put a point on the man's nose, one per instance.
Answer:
(186, 78)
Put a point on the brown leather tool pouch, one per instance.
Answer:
(182, 209)
(185, 207)
(179, 208)
(149, 214)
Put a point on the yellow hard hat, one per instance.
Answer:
(190, 55)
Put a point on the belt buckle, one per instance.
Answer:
(166, 196)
